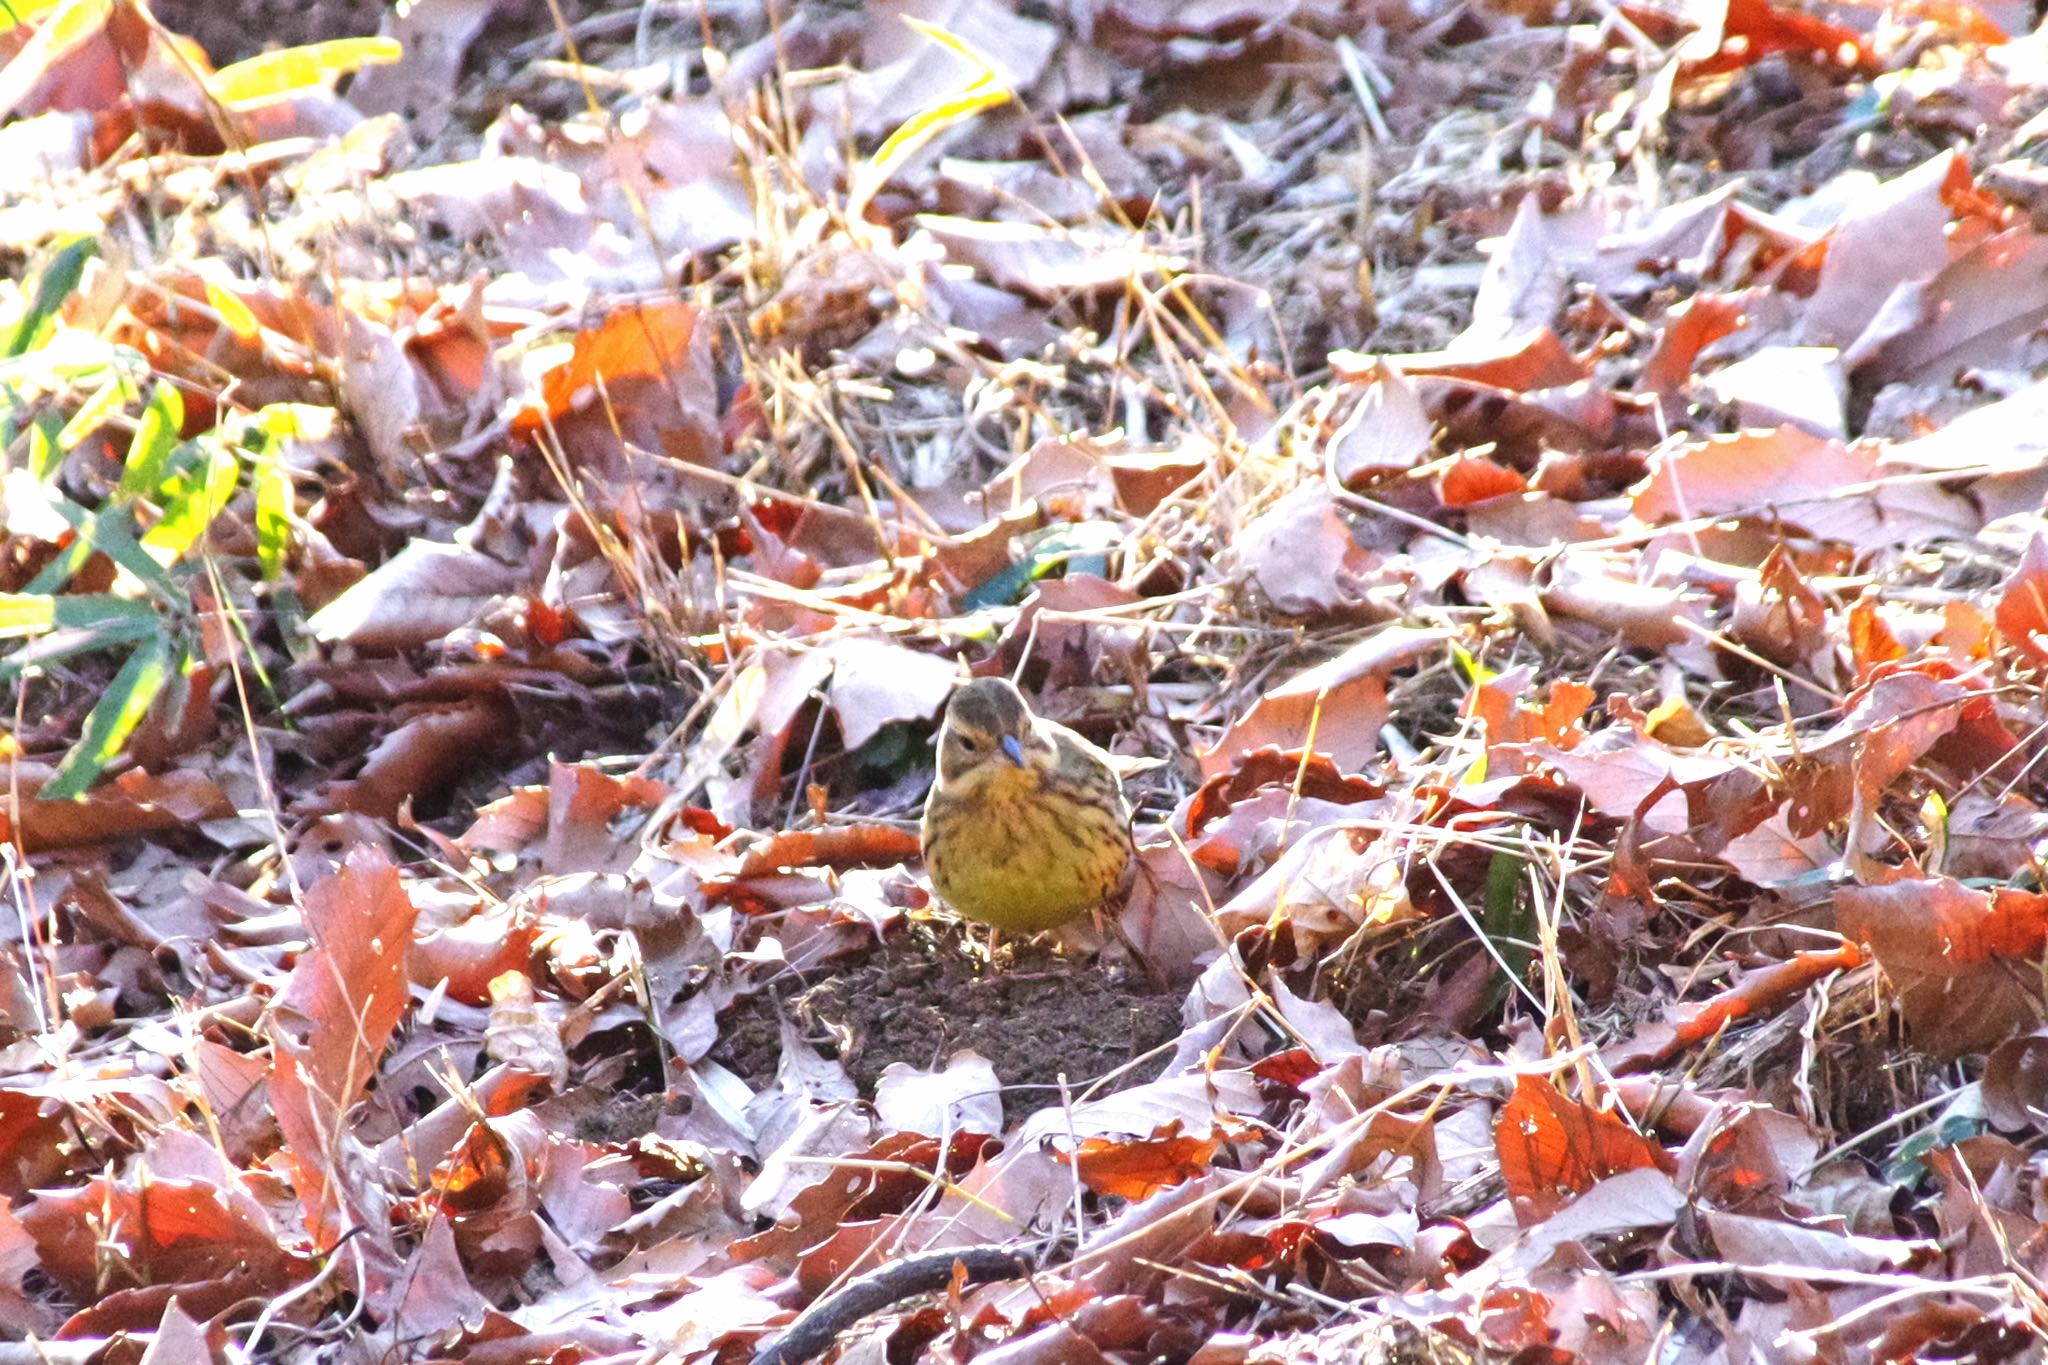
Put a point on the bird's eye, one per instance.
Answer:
(968, 744)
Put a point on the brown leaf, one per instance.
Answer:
(519, 1035)
(432, 748)
(333, 1020)
(1302, 556)
(417, 596)
(135, 802)
(833, 846)
(1964, 961)
(1966, 314)
(1313, 775)
(1893, 233)
(1535, 359)
(1337, 707)
(1827, 489)
(2015, 1083)
(1386, 433)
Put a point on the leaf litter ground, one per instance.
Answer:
(1545, 504)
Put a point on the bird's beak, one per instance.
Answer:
(1013, 749)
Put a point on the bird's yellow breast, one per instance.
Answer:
(1011, 849)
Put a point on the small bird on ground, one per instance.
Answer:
(1026, 827)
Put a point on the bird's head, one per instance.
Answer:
(989, 729)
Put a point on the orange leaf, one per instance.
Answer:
(1754, 29)
(477, 1174)
(1474, 479)
(2022, 612)
(837, 846)
(1553, 1149)
(1757, 992)
(1139, 1168)
(648, 341)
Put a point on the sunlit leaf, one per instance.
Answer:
(22, 13)
(276, 74)
(126, 702)
(234, 314)
(273, 488)
(110, 398)
(1476, 673)
(984, 90)
(263, 434)
(287, 421)
(193, 497)
(69, 355)
(155, 438)
(26, 613)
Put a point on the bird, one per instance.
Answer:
(1026, 827)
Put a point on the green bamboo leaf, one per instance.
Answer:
(26, 613)
(32, 613)
(1510, 918)
(126, 702)
(273, 486)
(263, 435)
(44, 454)
(155, 438)
(59, 279)
(111, 533)
(117, 393)
(71, 356)
(193, 497)
(59, 627)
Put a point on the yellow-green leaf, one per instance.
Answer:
(103, 617)
(274, 74)
(60, 274)
(26, 613)
(234, 314)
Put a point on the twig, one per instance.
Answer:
(819, 1325)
